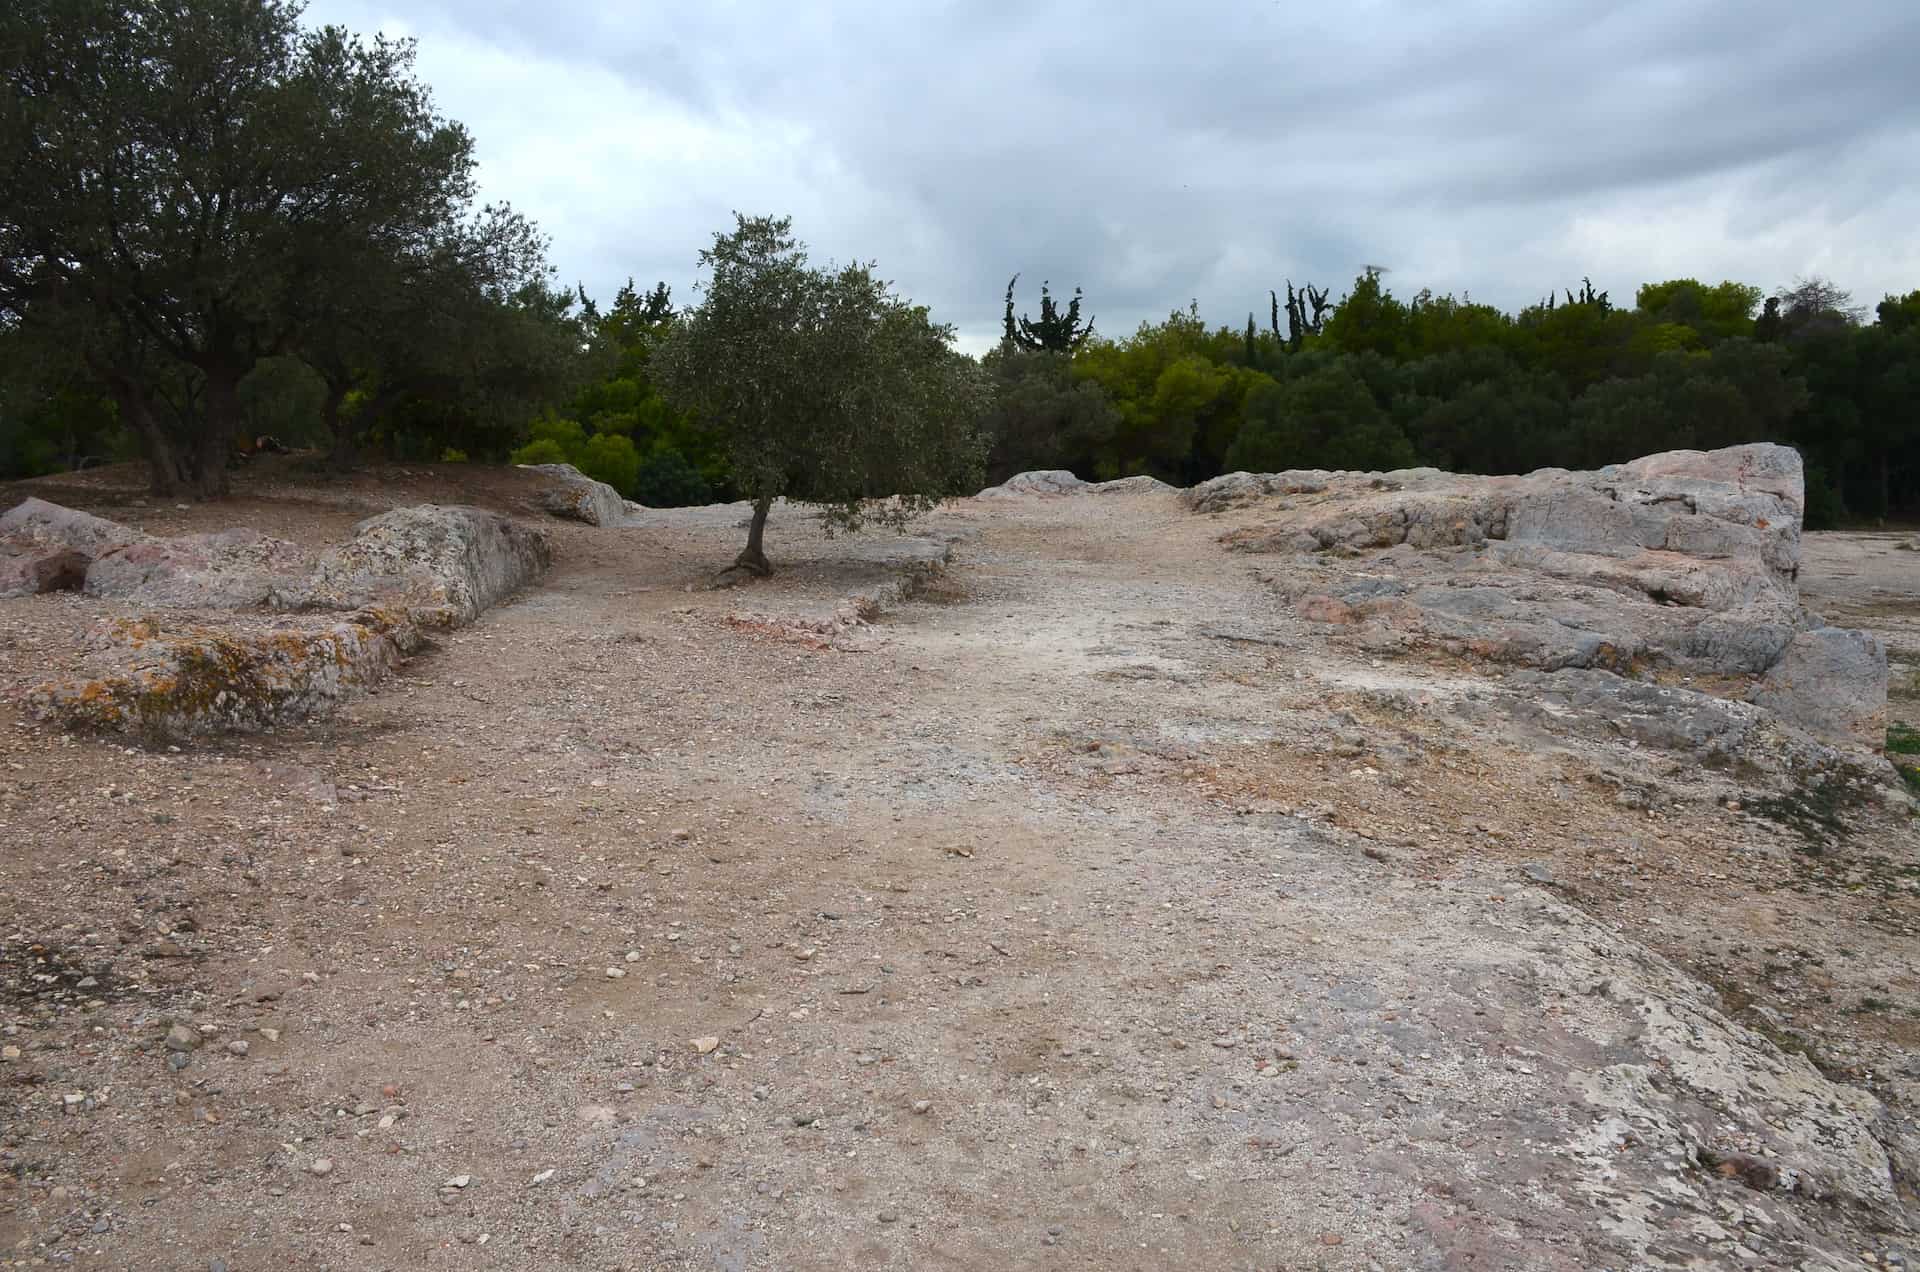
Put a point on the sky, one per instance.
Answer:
(1154, 155)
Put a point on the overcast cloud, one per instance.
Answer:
(1207, 151)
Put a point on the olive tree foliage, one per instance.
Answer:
(826, 387)
(457, 317)
(187, 187)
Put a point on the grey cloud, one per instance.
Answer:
(1151, 155)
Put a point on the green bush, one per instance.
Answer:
(453, 455)
(667, 480)
(543, 451)
(611, 458)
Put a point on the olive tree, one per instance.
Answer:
(186, 175)
(826, 387)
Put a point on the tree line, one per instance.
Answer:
(1373, 381)
(217, 224)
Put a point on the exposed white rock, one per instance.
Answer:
(1048, 481)
(37, 521)
(445, 564)
(230, 569)
(175, 681)
(1685, 560)
(578, 497)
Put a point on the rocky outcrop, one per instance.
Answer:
(1047, 481)
(174, 682)
(1229, 489)
(37, 522)
(229, 569)
(578, 497)
(27, 569)
(402, 572)
(1685, 561)
(1058, 481)
(443, 564)
(45, 547)
(1831, 682)
(1141, 485)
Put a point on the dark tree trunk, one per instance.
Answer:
(753, 557)
(169, 468)
(345, 449)
(219, 426)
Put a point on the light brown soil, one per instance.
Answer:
(997, 910)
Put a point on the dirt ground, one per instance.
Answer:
(1086, 911)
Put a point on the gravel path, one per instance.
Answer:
(1083, 912)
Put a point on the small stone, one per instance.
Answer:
(181, 1038)
(270, 1034)
(1332, 1239)
(679, 835)
(238, 1047)
(923, 1107)
(9, 1053)
(389, 1091)
(1224, 1042)
(633, 956)
(616, 973)
(459, 1181)
(543, 1176)
(178, 1061)
(321, 1166)
(889, 1216)
(311, 978)
(806, 955)
(705, 1045)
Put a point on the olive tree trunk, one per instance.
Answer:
(753, 558)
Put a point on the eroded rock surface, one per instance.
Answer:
(35, 521)
(28, 569)
(1058, 481)
(1684, 562)
(228, 569)
(1044, 481)
(578, 497)
(176, 681)
(413, 568)
(47, 548)
(445, 564)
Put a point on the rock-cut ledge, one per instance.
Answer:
(1684, 563)
(246, 633)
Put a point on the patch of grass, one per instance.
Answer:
(1815, 812)
(1903, 748)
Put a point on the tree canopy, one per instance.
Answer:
(825, 386)
(187, 189)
